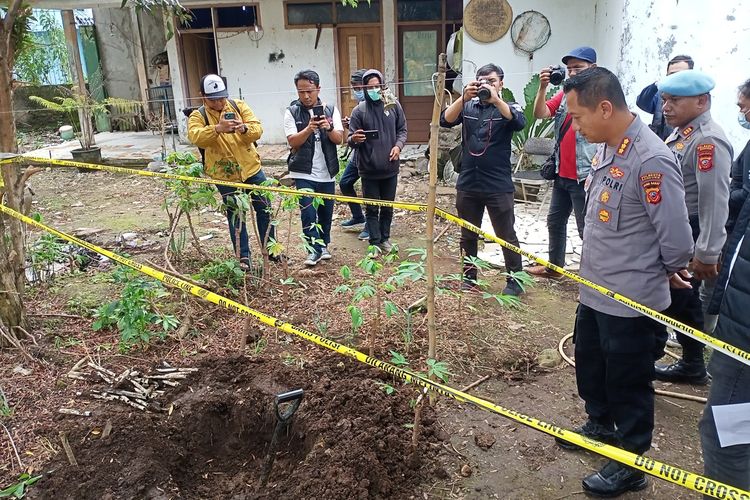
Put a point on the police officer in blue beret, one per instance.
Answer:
(705, 157)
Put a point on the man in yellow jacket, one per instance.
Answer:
(227, 130)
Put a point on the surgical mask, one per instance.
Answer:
(374, 94)
(359, 95)
(742, 118)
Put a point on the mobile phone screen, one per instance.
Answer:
(318, 111)
(229, 116)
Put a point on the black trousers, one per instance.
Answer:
(379, 218)
(615, 372)
(687, 307)
(470, 206)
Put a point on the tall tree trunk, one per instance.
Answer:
(12, 255)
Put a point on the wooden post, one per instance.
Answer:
(430, 237)
(76, 69)
(140, 61)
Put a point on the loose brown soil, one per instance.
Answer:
(349, 438)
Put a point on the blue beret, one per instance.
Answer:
(690, 82)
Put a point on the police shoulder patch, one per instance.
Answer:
(705, 157)
(651, 183)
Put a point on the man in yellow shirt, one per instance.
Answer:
(227, 131)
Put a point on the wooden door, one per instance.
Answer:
(199, 58)
(417, 60)
(359, 47)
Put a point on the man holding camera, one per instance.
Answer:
(378, 134)
(227, 130)
(313, 131)
(573, 156)
(485, 177)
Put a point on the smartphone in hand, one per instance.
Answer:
(230, 116)
(371, 134)
(318, 112)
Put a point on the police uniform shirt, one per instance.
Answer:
(637, 229)
(705, 158)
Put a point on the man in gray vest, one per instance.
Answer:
(636, 238)
(705, 157)
(313, 130)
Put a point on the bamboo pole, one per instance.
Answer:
(430, 238)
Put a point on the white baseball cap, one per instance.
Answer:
(213, 87)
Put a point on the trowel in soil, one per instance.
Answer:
(284, 405)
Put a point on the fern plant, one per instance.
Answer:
(88, 106)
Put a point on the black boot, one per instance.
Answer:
(683, 372)
(613, 480)
(592, 430)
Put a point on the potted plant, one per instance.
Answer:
(81, 109)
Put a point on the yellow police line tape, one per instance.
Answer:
(728, 349)
(648, 465)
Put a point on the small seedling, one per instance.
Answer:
(18, 489)
(5, 409)
(438, 369)
(398, 359)
(387, 388)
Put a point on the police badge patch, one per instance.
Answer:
(604, 215)
(705, 157)
(651, 183)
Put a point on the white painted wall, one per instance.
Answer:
(571, 24)
(717, 37)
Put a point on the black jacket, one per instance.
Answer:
(301, 159)
(373, 155)
(486, 135)
(649, 100)
(732, 292)
(739, 187)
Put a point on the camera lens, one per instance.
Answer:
(484, 94)
(557, 75)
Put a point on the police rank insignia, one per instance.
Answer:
(604, 215)
(604, 197)
(595, 161)
(616, 172)
(623, 146)
(679, 146)
(686, 133)
(705, 157)
(651, 183)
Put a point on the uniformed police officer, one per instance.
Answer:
(636, 238)
(705, 157)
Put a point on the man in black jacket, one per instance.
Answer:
(726, 458)
(379, 135)
(649, 100)
(485, 178)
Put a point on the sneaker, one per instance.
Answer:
(325, 254)
(374, 251)
(353, 225)
(672, 339)
(313, 258)
(591, 430)
(386, 246)
(364, 235)
(512, 287)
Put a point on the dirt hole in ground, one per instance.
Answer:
(348, 439)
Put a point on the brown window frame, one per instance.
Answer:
(214, 17)
(334, 24)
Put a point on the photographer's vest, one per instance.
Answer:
(300, 160)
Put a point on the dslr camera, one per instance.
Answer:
(556, 74)
(483, 93)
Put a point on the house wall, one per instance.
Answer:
(117, 40)
(716, 37)
(571, 25)
(268, 86)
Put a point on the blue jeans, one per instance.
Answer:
(730, 384)
(348, 179)
(262, 217)
(311, 216)
(567, 195)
